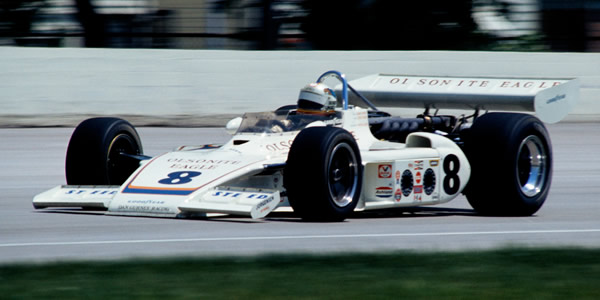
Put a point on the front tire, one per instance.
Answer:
(511, 161)
(323, 174)
(95, 155)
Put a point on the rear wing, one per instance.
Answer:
(550, 99)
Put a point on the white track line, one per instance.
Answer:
(341, 236)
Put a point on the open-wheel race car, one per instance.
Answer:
(334, 153)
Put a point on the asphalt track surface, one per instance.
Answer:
(32, 160)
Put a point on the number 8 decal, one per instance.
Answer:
(179, 177)
(451, 180)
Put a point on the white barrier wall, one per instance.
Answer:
(62, 86)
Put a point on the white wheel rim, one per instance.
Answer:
(342, 170)
(532, 166)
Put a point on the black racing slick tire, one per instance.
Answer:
(323, 174)
(97, 152)
(511, 162)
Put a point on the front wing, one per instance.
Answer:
(255, 203)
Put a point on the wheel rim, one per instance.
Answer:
(343, 175)
(532, 166)
(119, 167)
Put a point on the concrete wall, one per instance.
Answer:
(62, 86)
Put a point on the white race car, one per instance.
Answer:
(325, 162)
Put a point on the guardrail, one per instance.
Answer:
(62, 86)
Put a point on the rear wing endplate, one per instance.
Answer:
(550, 99)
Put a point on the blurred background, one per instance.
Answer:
(497, 25)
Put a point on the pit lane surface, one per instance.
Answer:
(32, 160)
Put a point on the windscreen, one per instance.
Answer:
(271, 122)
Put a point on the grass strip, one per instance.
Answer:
(497, 274)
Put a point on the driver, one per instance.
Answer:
(316, 99)
(316, 102)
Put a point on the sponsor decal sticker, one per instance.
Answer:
(263, 203)
(232, 194)
(90, 192)
(199, 164)
(280, 146)
(398, 195)
(418, 165)
(429, 83)
(384, 192)
(144, 206)
(557, 98)
(418, 189)
(385, 171)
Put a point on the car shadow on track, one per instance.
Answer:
(399, 213)
(415, 212)
(72, 211)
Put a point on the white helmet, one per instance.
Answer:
(316, 97)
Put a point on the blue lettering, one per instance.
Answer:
(76, 192)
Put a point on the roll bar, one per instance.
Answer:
(345, 86)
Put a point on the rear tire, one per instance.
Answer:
(511, 160)
(94, 152)
(323, 174)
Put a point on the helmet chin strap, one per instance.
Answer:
(314, 112)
